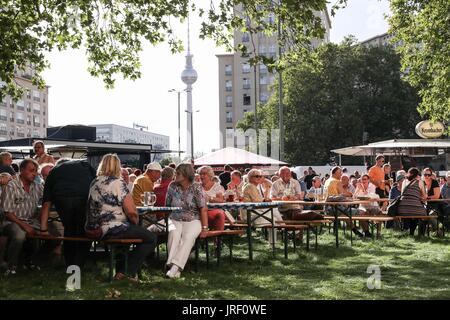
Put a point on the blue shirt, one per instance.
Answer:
(394, 193)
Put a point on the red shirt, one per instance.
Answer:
(160, 191)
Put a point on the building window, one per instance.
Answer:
(245, 37)
(262, 50)
(246, 83)
(20, 118)
(247, 100)
(262, 68)
(28, 94)
(28, 120)
(3, 129)
(36, 121)
(36, 95)
(20, 132)
(3, 115)
(228, 70)
(263, 80)
(263, 97)
(245, 67)
(245, 111)
(229, 116)
(229, 101)
(20, 105)
(272, 51)
(35, 133)
(11, 116)
(36, 108)
(228, 85)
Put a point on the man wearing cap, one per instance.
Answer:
(396, 190)
(146, 182)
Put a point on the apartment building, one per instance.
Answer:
(237, 79)
(27, 117)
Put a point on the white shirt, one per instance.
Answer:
(280, 189)
(369, 192)
(215, 189)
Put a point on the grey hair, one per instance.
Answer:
(187, 171)
(167, 173)
(209, 171)
(316, 178)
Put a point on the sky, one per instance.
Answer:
(77, 98)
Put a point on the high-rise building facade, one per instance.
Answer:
(116, 133)
(27, 117)
(237, 79)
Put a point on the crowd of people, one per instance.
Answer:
(102, 203)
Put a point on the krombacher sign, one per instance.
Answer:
(430, 130)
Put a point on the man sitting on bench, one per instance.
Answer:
(20, 200)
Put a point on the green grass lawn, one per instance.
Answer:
(411, 268)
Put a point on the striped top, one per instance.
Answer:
(410, 203)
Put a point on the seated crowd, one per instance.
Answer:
(103, 204)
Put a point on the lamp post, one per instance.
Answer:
(179, 120)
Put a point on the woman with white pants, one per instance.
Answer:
(190, 222)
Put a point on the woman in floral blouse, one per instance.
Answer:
(111, 208)
(189, 222)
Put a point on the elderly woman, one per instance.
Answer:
(112, 210)
(214, 193)
(252, 192)
(236, 184)
(189, 222)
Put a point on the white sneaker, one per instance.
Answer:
(173, 273)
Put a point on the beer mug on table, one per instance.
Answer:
(149, 198)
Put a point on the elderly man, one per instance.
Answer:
(288, 189)
(146, 182)
(20, 200)
(45, 169)
(5, 163)
(40, 155)
(349, 190)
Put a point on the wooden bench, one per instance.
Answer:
(219, 234)
(112, 244)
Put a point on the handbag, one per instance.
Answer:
(392, 208)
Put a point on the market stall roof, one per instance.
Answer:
(398, 147)
(234, 156)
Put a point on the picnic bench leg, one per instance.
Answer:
(285, 232)
(294, 238)
(273, 232)
(207, 253)
(111, 262)
(307, 239)
(336, 233)
(196, 255)
(127, 250)
(249, 235)
(316, 235)
(218, 249)
(231, 249)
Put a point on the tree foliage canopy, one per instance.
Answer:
(113, 31)
(344, 95)
(422, 28)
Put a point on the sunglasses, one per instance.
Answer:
(257, 176)
(427, 174)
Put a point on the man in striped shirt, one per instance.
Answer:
(20, 200)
